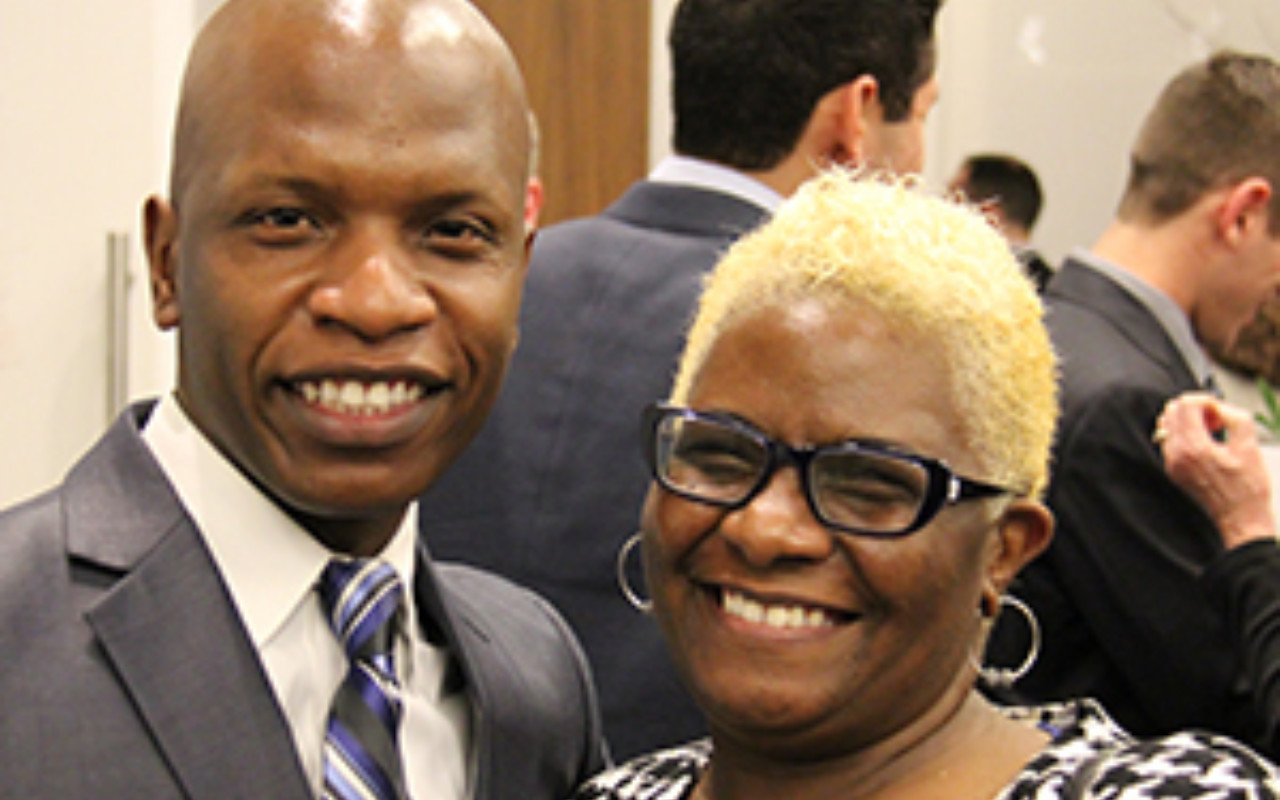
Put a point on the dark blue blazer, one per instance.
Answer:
(554, 483)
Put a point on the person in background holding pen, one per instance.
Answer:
(1211, 450)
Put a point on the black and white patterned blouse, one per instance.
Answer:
(1090, 758)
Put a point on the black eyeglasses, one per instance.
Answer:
(855, 486)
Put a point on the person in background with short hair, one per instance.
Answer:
(1191, 255)
(1211, 451)
(1007, 189)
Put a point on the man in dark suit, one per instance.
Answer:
(764, 93)
(342, 256)
(1193, 252)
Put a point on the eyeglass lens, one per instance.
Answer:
(849, 486)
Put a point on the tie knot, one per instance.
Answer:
(361, 600)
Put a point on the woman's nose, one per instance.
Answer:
(778, 524)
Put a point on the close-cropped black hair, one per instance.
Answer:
(1007, 180)
(747, 74)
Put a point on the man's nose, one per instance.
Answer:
(373, 286)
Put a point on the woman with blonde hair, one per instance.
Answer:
(846, 480)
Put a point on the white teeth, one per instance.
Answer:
(379, 397)
(330, 394)
(360, 399)
(775, 616)
(352, 395)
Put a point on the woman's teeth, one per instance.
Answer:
(736, 604)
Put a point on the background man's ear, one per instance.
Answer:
(853, 110)
(1245, 209)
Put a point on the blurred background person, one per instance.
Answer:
(1008, 191)
(1254, 355)
(1192, 254)
(1211, 451)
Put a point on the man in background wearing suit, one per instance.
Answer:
(1007, 189)
(1193, 252)
(342, 255)
(765, 92)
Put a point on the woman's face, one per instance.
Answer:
(792, 633)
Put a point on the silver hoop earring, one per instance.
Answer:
(643, 605)
(999, 678)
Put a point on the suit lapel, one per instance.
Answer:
(1080, 285)
(170, 631)
(445, 626)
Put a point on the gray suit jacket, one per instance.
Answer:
(556, 478)
(129, 674)
(1117, 594)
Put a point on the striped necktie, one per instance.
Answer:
(361, 599)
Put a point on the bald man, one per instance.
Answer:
(341, 255)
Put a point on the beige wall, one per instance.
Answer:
(1064, 84)
(86, 95)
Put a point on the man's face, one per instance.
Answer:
(344, 266)
(899, 146)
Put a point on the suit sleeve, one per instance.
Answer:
(1129, 553)
(1244, 586)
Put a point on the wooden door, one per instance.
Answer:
(586, 63)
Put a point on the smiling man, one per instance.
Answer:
(342, 256)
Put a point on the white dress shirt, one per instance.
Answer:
(270, 565)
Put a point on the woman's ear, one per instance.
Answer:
(1023, 532)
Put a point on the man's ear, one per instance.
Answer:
(160, 229)
(1245, 210)
(1023, 532)
(534, 196)
(854, 112)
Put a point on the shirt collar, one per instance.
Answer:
(268, 561)
(689, 171)
(1172, 318)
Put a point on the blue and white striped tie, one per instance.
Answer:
(361, 599)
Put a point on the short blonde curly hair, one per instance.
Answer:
(928, 265)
